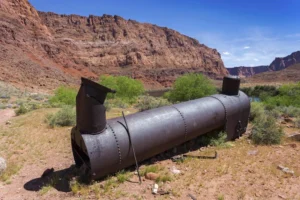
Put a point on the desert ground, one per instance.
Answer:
(240, 171)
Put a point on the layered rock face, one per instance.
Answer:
(277, 65)
(282, 63)
(247, 71)
(45, 49)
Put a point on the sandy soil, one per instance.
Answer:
(241, 171)
(6, 114)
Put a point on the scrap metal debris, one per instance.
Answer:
(285, 169)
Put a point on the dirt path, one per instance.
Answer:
(6, 114)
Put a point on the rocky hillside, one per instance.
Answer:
(247, 71)
(287, 75)
(277, 65)
(45, 49)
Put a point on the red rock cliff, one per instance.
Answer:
(46, 49)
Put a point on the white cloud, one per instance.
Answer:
(246, 47)
(264, 45)
(295, 35)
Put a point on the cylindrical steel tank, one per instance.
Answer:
(154, 131)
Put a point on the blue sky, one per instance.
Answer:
(245, 32)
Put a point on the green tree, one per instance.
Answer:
(191, 86)
(127, 89)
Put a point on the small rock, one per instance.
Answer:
(283, 122)
(252, 152)
(285, 169)
(151, 176)
(8, 123)
(47, 172)
(175, 171)
(281, 196)
(2, 165)
(293, 145)
(155, 189)
(295, 136)
(289, 126)
(163, 192)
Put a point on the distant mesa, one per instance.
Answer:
(277, 65)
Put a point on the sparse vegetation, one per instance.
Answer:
(148, 102)
(189, 87)
(25, 108)
(297, 122)
(127, 89)
(63, 96)
(64, 117)
(150, 168)
(123, 176)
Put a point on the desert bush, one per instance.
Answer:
(261, 91)
(215, 138)
(27, 107)
(127, 89)
(257, 111)
(191, 86)
(63, 96)
(115, 103)
(148, 102)
(266, 131)
(289, 111)
(66, 116)
(297, 122)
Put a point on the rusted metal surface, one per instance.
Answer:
(108, 149)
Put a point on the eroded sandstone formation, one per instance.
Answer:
(39, 49)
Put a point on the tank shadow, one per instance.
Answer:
(61, 180)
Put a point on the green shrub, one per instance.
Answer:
(148, 102)
(191, 86)
(215, 138)
(63, 96)
(257, 111)
(266, 131)
(22, 110)
(127, 89)
(66, 116)
(219, 140)
(288, 95)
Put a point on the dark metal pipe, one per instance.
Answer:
(157, 130)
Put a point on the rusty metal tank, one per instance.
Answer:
(104, 146)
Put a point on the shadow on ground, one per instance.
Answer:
(60, 180)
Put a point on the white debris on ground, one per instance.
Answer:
(175, 171)
(285, 169)
(155, 189)
(2, 165)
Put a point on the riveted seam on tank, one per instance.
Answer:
(225, 127)
(118, 146)
(184, 122)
